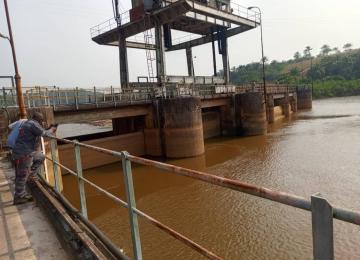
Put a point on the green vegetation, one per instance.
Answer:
(336, 88)
(333, 73)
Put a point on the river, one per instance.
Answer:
(315, 151)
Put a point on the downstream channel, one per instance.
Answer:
(315, 151)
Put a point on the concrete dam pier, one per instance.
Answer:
(172, 127)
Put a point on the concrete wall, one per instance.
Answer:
(182, 129)
(278, 113)
(304, 99)
(153, 142)
(211, 124)
(85, 116)
(133, 143)
(250, 114)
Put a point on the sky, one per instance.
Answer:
(54, 46)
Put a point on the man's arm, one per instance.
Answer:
(50, 131)
(37, 130)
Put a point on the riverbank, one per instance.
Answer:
(336, 88)
(25, 233)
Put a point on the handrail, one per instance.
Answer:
(234, 8)
(133, 209)
(322, 218)
(139, 92)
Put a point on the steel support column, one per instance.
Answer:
(225, 58)
(190, 62)
(160, 53)
(213, 53)
(124, 72)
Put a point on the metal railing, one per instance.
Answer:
(137, 93)
(109, 24)
(321, 210)
(232, 8)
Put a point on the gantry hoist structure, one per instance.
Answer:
(206, 21)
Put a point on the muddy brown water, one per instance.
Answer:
(316, 151)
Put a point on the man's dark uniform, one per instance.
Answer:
(28, 158)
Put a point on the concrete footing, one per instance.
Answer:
(270, 109)
(181, 126)
(251, 109)
(304, 98)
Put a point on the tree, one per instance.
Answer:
(307, 52)
(347, 47)
(297, 56)
(325, 50)
(264, 59)
(336, 50)
(294, 72)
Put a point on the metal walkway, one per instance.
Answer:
(25, 233)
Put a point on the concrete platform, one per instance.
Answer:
(25, 232)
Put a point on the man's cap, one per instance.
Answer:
(37, 117)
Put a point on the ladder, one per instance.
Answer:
(150, 54)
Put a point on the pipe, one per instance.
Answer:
(20, 97)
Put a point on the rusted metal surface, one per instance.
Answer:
(20, 98)
(280, 197)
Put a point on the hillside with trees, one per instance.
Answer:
(333, 72)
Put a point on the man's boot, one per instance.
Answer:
(22, 200)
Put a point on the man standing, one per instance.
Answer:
(26, 155)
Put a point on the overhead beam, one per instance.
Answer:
(171, 13)
(221, 15)
(135, 45)
(163, 15)
(207, 39)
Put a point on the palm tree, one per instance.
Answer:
(297, 56)
(336, 50)
(307, 52)
(347, 47)
(325, 50)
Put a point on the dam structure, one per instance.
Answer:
(162, 115)
(159, 115)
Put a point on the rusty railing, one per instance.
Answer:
(321, 210)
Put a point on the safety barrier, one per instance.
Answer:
(139, 92)
(231, 7)
(322, 211)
